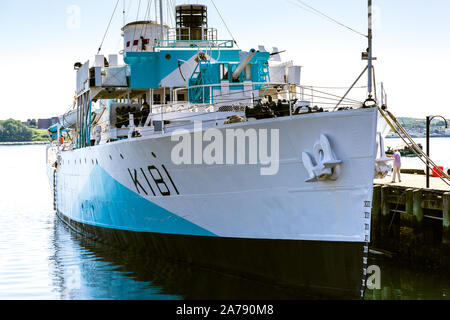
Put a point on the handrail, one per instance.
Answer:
(238, 99)
(176, 106)
(177, 34)
(194, 43)
(273, 84)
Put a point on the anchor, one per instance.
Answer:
(323, 165)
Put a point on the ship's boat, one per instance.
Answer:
(69, 119)
(405, 151)
(200, 151)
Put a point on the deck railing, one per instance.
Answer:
(219, 101)
(261, 89)
(194, 43)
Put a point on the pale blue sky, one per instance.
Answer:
(41, 40)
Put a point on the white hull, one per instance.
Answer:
(97, 187)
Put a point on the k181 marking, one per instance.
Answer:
(142, 177)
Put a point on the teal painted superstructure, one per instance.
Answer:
(152, 70)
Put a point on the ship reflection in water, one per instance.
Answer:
(400, 282)
(83, 268)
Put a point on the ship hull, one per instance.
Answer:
(283, 227)
(310, 269)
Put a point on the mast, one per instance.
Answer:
(123, 12)
(161, 16)
(370, 53)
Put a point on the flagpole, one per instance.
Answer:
(370, 53)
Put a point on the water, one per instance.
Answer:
(439, 152)
(40, 258)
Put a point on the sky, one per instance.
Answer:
(41, 40)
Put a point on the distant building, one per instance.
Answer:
(47, 123)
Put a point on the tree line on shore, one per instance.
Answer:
(420, 124)
(15, 131)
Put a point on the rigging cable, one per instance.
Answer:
(170, 11)
(234, 40)
(313, 10)
(135, 27)
(147, 16)
(125, 18)
(109, 24)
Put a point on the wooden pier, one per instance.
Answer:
(411, 221)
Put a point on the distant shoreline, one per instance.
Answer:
(23, 143)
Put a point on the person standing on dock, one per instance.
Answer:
(397, 166)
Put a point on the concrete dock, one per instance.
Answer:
(415, 181)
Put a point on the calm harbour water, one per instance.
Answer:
(40, 258)
(439, 152)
